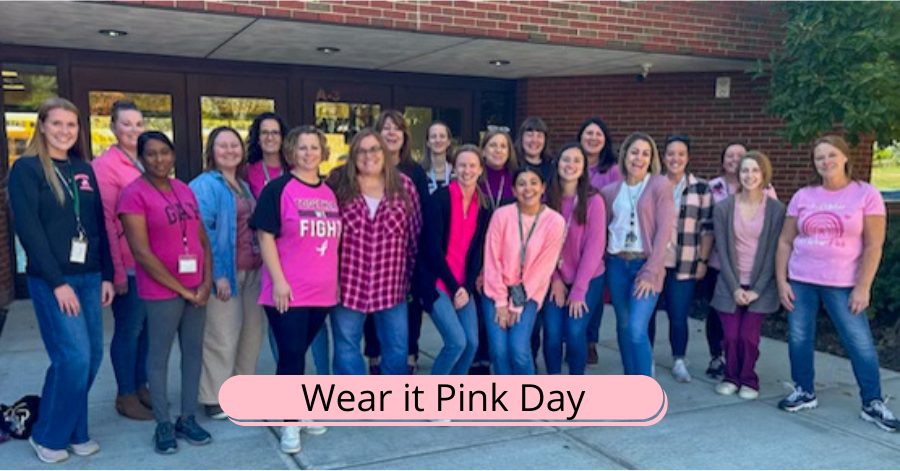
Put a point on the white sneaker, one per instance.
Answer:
(748, 393)
(48, 455)
(314, 429)
(87, 448)
(726, 388)
(290, 439)
(680, 371)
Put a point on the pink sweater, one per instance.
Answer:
(501, 253)
(115, 171)
(585, 245)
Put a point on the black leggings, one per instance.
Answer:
(294, 332)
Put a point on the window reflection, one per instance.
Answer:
(340, 122)
(236, 112)
(156, 108)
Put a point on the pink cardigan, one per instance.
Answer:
(501, 254)
(656, 214)
(114, 171)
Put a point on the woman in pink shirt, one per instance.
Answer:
(452, 256)
(381, 219)
(521, 251)
(747, 227)
(603, 169)
(576, 289)
(174, 277)
(265, 157)
(115, 169)
(828, 254)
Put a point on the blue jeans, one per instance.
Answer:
(75, 347)
(593, 327)
(128, 350)
(320, 347)
(459, 331)
(632, 315)
(558, 323)
(853, 329)
(678, 295)
(391, 326)
(511, 347)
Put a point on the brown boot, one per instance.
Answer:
(130, 406)
(144, 395)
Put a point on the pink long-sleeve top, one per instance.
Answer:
(501, 253)
(114, 171)
(585, 245)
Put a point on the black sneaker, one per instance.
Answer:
(877, 413)
(164, 439)
(716, 368)
(189, 431)
(799, 400)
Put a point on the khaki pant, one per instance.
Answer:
(234, 334)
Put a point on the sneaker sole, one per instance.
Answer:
(182, 436)
(806, 405)
(868, 418)
(92, 452)
(167, 451)
(315, 432)
(292, 451)
(38, 453)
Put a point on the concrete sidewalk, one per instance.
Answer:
(701, 430)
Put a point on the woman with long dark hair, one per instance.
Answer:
(533, 146)
(58, 213)
(576, 289)
(265, 157)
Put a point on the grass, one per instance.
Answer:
(886, 178)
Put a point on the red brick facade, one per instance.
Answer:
(714, 29)
(667, 104)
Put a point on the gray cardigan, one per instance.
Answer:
(762, 277)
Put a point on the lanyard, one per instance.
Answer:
(179, 209)
(495, 203)
(524, 241)
(134, 162)
(266, 171)
(238, 190)
(75, 193)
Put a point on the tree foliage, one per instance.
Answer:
(839, 67)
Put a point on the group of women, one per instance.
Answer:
(503, 245)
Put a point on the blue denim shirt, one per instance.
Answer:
(219, 212)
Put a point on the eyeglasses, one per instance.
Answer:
(270, 133)
(370, 151)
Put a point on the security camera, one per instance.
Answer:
(645, 71)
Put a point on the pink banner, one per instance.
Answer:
(467, 400)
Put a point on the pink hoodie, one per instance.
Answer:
(114, 171)
(501, 253)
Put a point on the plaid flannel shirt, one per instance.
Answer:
(378, 255)
(694, 221)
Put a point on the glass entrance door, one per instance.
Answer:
(423, 106)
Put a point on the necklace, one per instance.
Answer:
(631, 237)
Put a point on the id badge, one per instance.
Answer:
(78, 252)
(187, 264)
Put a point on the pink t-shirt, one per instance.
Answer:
(746, 240)
(829, 243)
(721, 189)
(462, 231)
(256, 177)
(306, 222)
(167, 213)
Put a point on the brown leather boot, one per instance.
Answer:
(130, 406)
(144, 395)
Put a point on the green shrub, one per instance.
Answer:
(885, 305)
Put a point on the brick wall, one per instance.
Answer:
(715, 29)
(667, 104)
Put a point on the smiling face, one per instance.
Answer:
(128, 126)
(529, 189)
(468, 169)
(732, 158)
(228, 151)
(637, 159)
(308, 154)
(751, 176)
(60, 129)
(393, 136)
(593, 140)
(270, 136)
(438, 139)
(830, 162)
(370, 157)
(158, 159)
(533, 143)
(571, 165)
(496, 151)
(676, 158)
